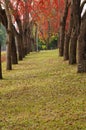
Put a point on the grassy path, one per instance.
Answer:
(43, 93)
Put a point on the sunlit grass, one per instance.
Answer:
(43, 92)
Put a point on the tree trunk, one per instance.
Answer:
(61, 41)
(72, 49)
(19, 46)
(25, 41)
(66, 47)
(75, 31)
(14, 51)
(82, 47)
(20, 40)
(62, 29)
(0, 64)
(8, 56)
(67, 37)
(29, 37)
(9, 36)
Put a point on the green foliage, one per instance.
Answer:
(2, 34)
(41, 45)
(53, 42)
(44, 47)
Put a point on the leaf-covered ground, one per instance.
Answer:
(43, 92)
(3, 57)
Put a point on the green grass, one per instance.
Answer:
(43, 92)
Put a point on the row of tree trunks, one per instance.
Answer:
(18, 43)
(74, 41)
(14, 49)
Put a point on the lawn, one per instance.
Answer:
(43, 92)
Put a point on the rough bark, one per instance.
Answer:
(20, 39)
(29, 41)
(25, 28)
(82, 47)
(19, 47)
(67, 37)
(9, 36)
(72, 49)
(66, 46)
(75, 31)
(62, 29)
(25, 41)
(14, 51)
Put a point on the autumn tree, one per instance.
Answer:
(45, 14)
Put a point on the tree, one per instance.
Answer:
(68, 35)
(45, 14)
(62, 28)
(2, 41)
(14, 57)
(81, 67)
(9, 34)
(75, 30)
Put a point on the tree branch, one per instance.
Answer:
(82, 5)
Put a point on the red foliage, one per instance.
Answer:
(40, 11)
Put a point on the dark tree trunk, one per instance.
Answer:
(35, 39)
(9, 36)
(61, 41)
(58, 41)
(82, 47)
(20, 40)
(8, 56)
(66, 47)
(62, 29)
(25, 41)
(75, 31)
(29, 39)
(19, 47)
(73, 46)
(0, 64)
(22, 44)
(25, 27)
(67, 37)
(14, 51)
